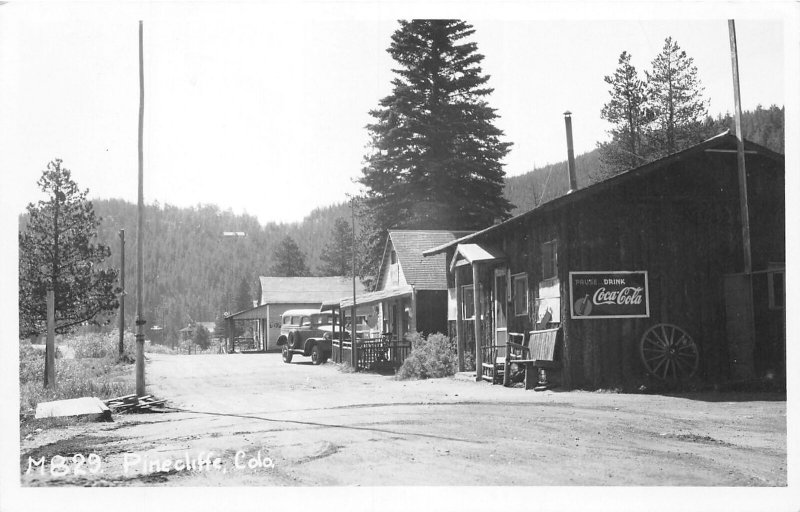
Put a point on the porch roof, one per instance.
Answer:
(472, 253)
(258, 312)
(379, 296)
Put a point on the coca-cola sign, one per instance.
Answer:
(609, 295)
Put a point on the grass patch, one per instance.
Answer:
(96, 370)
(155, 348)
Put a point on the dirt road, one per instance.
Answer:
(264, 422)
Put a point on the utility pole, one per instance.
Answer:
(354, 345)
(140, 387)
(737, 101)
(50, 347)
(122, 293)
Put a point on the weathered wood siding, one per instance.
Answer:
(682, 226)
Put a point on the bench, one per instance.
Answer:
(537, 357)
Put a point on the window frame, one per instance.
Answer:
(773, 304)
(467, 304)
(522, 276)
(550, 246)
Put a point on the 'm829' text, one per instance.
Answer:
(58, 465)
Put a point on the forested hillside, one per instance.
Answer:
(529, 190)
(544, 184)
(193, 272)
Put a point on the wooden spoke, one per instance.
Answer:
(669, 353)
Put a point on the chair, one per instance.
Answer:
(537, 357)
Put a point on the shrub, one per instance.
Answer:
(102, 377)
(202, 338)
(430, 357)
(469, 361)
(157, 348)
(99, 345)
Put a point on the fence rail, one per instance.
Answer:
(373, 353)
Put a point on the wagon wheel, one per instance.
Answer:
(669, 353)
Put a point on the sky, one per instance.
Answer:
(261, 107)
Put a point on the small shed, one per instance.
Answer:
(279, 294)
(187, 333)
(411, 290)
(659, 246)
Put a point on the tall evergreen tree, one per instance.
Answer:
(58, 250)
(202, 338)
(675, 100)
(435, 159)
(337, 255)
(244, 299)
(289, 260)
(626, 111)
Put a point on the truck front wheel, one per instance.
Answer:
(286, 354)
(316, 355)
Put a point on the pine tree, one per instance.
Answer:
(626, 110)
(435, 152)
(221, 326)
(243, 296)
(202, 338)
(58, 250)
(337, 255)
(675, 100)
(289, 260)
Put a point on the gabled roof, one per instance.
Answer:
(724, 142)
(471, 253)
(305, 290)
(209, 326)
(420, 272)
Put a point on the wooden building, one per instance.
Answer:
(411, 290)
(187, 333)
(279, 294)
(660, 245)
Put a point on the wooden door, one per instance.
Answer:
(739, 325)
(500, 308)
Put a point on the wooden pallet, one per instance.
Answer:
(132, 403)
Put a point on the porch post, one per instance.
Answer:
(353, 341)
(478, 341)
(459, 328)
(231, 334)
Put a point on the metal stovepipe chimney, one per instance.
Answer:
(573, 179)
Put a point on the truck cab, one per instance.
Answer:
(306, 332)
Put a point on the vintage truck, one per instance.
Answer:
(306, 332)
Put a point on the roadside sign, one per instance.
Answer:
(613, 294)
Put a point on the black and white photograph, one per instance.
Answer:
(398, 256)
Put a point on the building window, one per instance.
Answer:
(468, 302)
(550, 259)
(777, 291)
(393, 257)
(520, 286)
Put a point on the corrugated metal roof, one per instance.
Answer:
(306, 290)
(420, 272)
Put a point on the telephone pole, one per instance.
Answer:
(122, 293)
(742, 173)
(140, 387)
